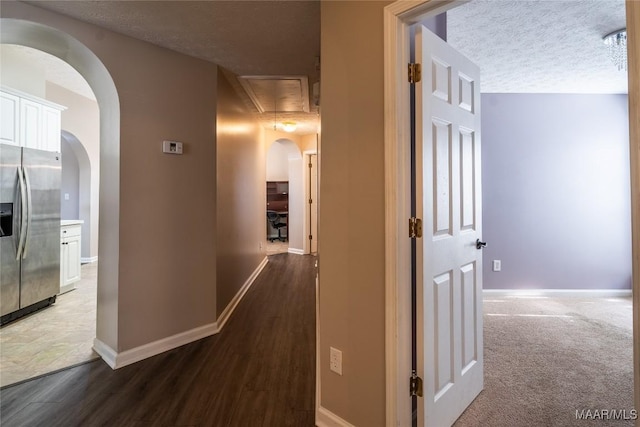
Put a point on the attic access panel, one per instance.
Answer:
(269, 94)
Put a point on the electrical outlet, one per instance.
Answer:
(497, 265)
(335, 360)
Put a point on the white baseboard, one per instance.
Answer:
(226, 313)
(127, 357)
(118, 360)
(326, 418)
(560, 293)
(296, 251)
(106, 353)
(87, 260)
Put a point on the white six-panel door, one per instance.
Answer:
(449, 266)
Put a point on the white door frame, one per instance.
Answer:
(306, 246)
(398, 17)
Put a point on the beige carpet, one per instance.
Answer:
(546, 358)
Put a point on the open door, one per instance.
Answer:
(448, 341)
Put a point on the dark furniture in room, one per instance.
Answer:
(274, 220)
(278, 196)
(277, 210)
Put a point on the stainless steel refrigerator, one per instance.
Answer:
(29, 230)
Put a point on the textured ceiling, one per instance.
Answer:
(277, 38)
(521, 46)
(537, 46)
(245, 37)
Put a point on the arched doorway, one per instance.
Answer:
(285, 193)
(85, 205)
(80, 57)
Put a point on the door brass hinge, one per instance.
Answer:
(310, 201)
(415, 227)
(415, 385)
(310, 165)
(415, 73)
(310, 237)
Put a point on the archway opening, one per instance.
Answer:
(284, 197)
(82, 59)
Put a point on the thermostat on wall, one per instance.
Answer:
(172, 147)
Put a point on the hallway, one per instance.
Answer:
(260, 370)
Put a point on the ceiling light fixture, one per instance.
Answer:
(286, 126)
(617, 43)
(289, 126)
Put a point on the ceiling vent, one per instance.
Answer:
(282, 94)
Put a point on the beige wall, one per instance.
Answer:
(304, 142)
(82, 119)
(241, 193)
(308, 142)
(165, 267)
(351, 241)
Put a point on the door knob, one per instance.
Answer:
(479, 244)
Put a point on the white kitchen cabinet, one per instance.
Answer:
(70, 240)
(29, 121)
(51, 127)
(30, 124)
(9, 123)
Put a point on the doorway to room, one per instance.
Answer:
(61, 335)
(397, 98)
(79, 57)
(284, 187)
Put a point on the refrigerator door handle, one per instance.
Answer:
(23, 214)
(29, 210)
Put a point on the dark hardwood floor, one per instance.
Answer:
(259, 371)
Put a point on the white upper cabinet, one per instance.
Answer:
(51, 127)
(30, 124)
(29, 121)
(9, 124)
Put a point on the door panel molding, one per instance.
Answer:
(398, 17)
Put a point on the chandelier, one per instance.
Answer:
(617, 43)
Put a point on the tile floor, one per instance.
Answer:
(54, 338)
(277, 247)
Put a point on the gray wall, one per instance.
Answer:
(70, 182)
(556, 191)
(436, 24)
